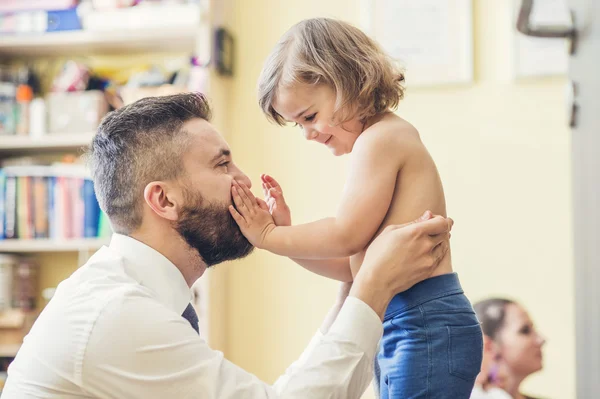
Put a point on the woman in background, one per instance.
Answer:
(512, 349)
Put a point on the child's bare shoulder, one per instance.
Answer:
(392, 132)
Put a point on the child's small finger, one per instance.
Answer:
(275, 184)
(237, 199)
(262, 204)
(277, 195)
(247, 196)
(236, 216)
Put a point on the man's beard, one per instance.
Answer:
(211, 230)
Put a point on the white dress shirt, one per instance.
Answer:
(114, 330)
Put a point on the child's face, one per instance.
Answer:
(311, 107)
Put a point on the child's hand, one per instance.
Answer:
(251, 214)
(275, 201)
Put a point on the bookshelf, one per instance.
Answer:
(59, 258)
(48, 245)
(169, 38)
(130, 31)
(11, 145)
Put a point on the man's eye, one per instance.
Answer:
(224, 163)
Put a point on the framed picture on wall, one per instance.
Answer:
(432, 39)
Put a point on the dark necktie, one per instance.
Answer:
(190, 315)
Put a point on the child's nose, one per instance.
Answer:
(310, 134)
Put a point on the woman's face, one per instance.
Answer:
(519, 344)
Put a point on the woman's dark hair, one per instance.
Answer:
(491, 314)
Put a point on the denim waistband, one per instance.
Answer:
(425, 291)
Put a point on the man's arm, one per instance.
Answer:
(368, 192)
(138, 348)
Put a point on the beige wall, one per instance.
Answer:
(502, 148)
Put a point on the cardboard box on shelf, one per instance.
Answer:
(75, 112)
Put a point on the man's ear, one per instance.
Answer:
(164, 199)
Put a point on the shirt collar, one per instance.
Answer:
(154, 271)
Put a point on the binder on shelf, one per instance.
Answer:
(92, 210)
(40, 207)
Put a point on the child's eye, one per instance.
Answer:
(310, 118)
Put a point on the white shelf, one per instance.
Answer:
(67, 43)
(21, 144)
(47, 245)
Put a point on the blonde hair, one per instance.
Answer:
(326, 51)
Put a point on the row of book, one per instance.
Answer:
(50, 201)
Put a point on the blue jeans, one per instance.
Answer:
(432, 343)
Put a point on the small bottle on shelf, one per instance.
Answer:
(24, 96)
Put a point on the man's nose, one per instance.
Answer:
(242, 178)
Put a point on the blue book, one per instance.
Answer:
(91, 210)
(60, 20)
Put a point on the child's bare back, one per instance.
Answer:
(418, 185)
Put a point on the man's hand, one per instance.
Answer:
(275, 201)
(251, 214)
(400, 257)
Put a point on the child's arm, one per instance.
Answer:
(375, 163)
(337, 268)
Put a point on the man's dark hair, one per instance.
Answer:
(137, 144)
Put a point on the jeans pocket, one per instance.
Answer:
(465, 351)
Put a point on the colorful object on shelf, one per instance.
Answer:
(18, 88)
(39, 21)
(63, 20)
(73, 76)
(56, 202)
(8, 117)
(24, 96)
